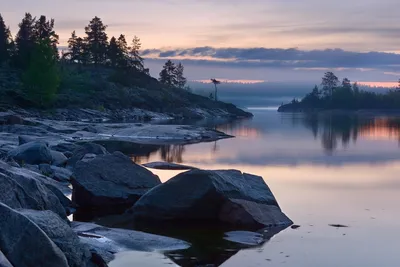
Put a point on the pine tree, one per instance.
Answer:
(123, 52)
(180, 79)
(41, 79)
(329, 83)
(25, 40)
(44, 30)
(168, 74)
(5, 42)
(96, 41)
(356, 89)
(136, 61)
(346, 84)
(113, 52)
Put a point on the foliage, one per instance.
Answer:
(180, 79)
(168, 74)
(41, 79)
(5, 42)
(25, 41)
(96, 41)
(136, 61)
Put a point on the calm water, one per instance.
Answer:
(323, 170)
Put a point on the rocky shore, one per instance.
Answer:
(53, 170)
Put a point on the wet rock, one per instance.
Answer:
(86, 148)
(24, 244)
(77, 254)
(245, 238)
(228, 198)
(295, 227)
(110, 183)
(108, 241)
(22, 189)
(167, 166)
(58, 158)
(31, 153)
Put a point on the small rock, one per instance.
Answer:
(58, 158)
(167, 166)
(31, 153)
(295, 226)
(338, 225)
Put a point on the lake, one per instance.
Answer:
(323, 170)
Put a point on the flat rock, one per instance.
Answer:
(76, 253)
(24, 244)
(110, 183)
(245, 238)
(228, 198)
(161, 165)
(31, 153)
(108, 241)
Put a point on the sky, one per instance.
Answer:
(239, 40)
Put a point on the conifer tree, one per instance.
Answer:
(44, 31)
(41, 79)
(168, 74)
(113, 52)
(25, 40)
(5, 42)
(97, 41)
(123, 52)
(136, 61)
(180, 79)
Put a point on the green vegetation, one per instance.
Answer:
(94, 71)
(344, 95)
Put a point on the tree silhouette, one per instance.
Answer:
(136, 60)
(168, 74)
(329, 83)
(123, 52)
(25, 40)
(96, 39)
(77, 49)
(41, 79)
(215, 82)
(5, 41)
(44, 31)
(180, 79)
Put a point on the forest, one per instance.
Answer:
(34, 71)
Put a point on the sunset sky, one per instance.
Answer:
(267, 40)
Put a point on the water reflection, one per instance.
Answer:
(333, 129)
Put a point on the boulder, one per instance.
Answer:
(58, 158)
(24, 244)
(65, 147)
(20, 189)
(108, 241)
(110, 183)
(77, 253)
(24, 139)
(86, 148)
(31, 153)
(224, 198)
(56, 173)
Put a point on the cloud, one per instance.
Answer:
(281, 58)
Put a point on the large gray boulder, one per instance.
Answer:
(110, 183)
(108, 241)
(77, 253)
(24, 244)
(20, 189)
(31, 153)
(86, 148)
(228, 198)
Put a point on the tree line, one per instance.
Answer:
(336, 94)
(34, 52)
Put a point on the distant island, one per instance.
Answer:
(336, 95)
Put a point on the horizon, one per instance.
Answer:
(242, 42)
